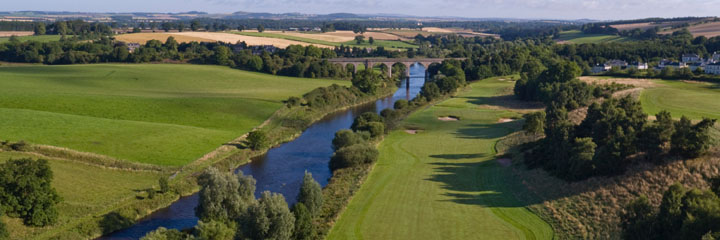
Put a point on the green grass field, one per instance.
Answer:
(389, 44)
(161, 114)
(575, 36)
(694, 100)
(444, 182)
(85, 190)
(41, 38)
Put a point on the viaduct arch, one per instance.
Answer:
(389, 62)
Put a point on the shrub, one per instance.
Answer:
(310, 194)
(150, 193)
(165, 234)
(376, 129)
(26, 191)
(258, 140)
(214, 230)
(400, 104)
(345, 138)
(534, 122)
(293, 102)
(353, 156)
(362, 122)
(691, 141)
(164, 186)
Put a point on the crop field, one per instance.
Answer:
(711, 29)
(212, 37)
(144, 37)
(15, 33)
(85, 190)
(161, 114)
(577, 37)
(444, 182)
(692, 99)
(41, 38)
(392, 44)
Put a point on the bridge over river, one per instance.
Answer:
(389, 62)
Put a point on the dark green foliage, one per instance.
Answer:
(269, 218)
(581, 158)
(304, 229)
(370, 122)
(150, 193)
(332, 96)
(164, 185)
(637, 221)
(26, 191)
(258, 140)
(430, 91)
(214, 230)
(4, 234)
(310, 194)
(223, 196)
(368, 81)
(534, 122)
(400, 104)
(346, 137)
(165, 234)
(376, 129)
(691, 141)
(556, 84)
(353, 156)
(655, 136)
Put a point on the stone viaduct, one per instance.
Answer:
(389, 62)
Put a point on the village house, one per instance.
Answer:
(691, 58)
(713, 68)
(638, 65)
(671, 64)
(132, 47)
(716, 57)
(598, 68)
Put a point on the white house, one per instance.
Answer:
(671, 64)
(716, 57)
(713, 68)
(638, 65)
(691, 58)
(616, 63)
(598, 68)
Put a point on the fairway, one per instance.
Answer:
(577, 37)
(444, 181)
(694, 100)
(161, 114)
(85, 190)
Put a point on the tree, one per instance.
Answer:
(310, 194)
(304, 229)
(61, 28)
(195, 25)
(269, 218)
(400, 104)
(345, 138)
(214, 230)
(222, 56)
(653, 138)
(4, 234)
(181, 26)
(39, 28)
(371, 40)
(534, 122)
(26, 191)
(354, 155)
(368, 81)
(670, 216)
(581, 158)
(220, 197)
(362, 122)
(164, 186)
(691, 141)
(165, 234)
(167, 26)
(638, 219)
(359, 39)
(257, 140)
(260, 28)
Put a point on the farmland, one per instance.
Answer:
(575, 36)
(444, 182)
(212, 37)
(41, 38)
(308, 38)
(159, 114)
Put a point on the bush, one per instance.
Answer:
(164, 186)
(353, 156)
(150, 193)
(165, 234)
(214, 230)
(534, 122)
(691, 141)
(258, 140)
(346, 138)
(400, 104)
(376, 129)
(26, 191)
(362, 122)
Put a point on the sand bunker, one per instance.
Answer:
(504, 120)
(411, 131)
(449, 119)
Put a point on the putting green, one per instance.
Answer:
(444, 181)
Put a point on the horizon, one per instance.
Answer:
(506, 9)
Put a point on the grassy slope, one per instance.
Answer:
(695, 100)
(444, 183)
(378, 43)
(575, 36)
(150, 113)
(41, 38)
(85, 189)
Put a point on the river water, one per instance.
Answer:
(282, 168)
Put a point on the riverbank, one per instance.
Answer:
(443, 181)
(285, 125)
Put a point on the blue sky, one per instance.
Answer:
(546, 9)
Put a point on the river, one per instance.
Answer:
(282, 168)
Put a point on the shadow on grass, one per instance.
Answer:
(505, 101)
(114, 221)
(488, 131)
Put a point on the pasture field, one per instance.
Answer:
(85, 189)
(162, 114)
(692, 99)
(391, 44)
(577, 37)
(41, 38)
(444, 182)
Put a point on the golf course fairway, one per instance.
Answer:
(444, 182)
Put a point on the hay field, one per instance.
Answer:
(144, 37)
(15, 33)
(161, 114)
(212, 37)
(711, 29)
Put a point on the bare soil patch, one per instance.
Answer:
(15, 33)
